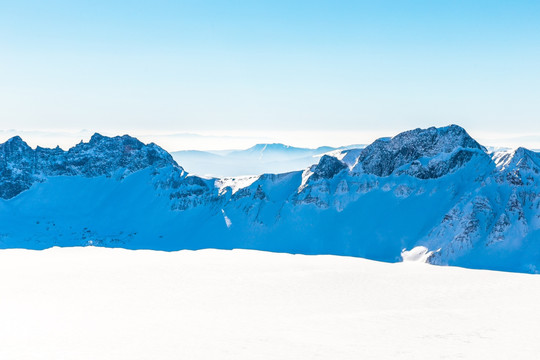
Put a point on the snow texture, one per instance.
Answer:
(95, 303)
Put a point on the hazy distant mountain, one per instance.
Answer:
(432, 194)
(258, 159)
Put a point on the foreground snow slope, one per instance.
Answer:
(98, 303)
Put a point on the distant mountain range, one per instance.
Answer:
(432, 195)
(258, 159)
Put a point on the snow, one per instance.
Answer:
(418, 254)
(235, 183)
(98, 303)
(228, 221)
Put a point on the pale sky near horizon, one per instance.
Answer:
(306, 73)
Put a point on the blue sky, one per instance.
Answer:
(305, 72)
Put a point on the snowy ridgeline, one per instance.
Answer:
(109, 304)
(432, 195)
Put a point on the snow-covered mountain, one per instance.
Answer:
(433, 194)
(22, 166)
(258, 159)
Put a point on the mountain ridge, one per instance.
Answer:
(21, 166)
(260, 158)
(435, 188)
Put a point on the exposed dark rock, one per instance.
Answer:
(327, 168)
(21, 166)
(386, 155)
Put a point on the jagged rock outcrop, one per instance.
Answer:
(21, 166)
(327, 168)
(387, 155)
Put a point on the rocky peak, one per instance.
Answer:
(523, 159)
(15, 140)
(519, 167)
(96, 137)
(327, 168)
(99, 141)
(103, 154)
(519, 158)
(14, 144)
(386, 155)
(21, 166)
(12, 153)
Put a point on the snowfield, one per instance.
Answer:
(99, 303)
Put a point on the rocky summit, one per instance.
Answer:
(22, 166)
(436, 191)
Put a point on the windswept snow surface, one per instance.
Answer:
(98, 303)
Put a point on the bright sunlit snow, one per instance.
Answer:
(98, 303)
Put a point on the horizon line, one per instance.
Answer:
(220, 140)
